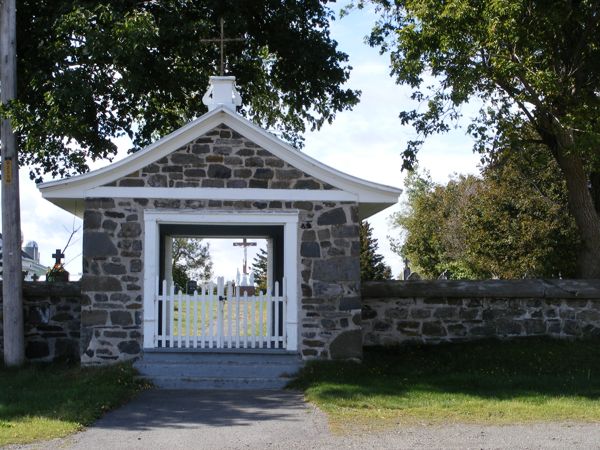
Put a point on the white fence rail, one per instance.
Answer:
(219, 316)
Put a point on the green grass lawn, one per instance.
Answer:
(494, 382)
(49, 401)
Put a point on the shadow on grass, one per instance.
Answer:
(532, 368)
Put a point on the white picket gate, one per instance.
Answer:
(219, 316)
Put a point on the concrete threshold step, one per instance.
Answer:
(216, 370)
(221, 358)
(220, 383)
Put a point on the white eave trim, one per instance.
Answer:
(208, 194)
(85, 183)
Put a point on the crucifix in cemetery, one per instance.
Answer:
(222, 40)
(245, 244)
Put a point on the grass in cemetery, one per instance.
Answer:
(493, 382)
(48, 401)
(249, 317)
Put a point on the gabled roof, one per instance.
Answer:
(69, 193)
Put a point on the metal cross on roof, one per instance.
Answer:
(58, 256)
(222, 41)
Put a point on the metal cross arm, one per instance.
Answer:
(222, 41)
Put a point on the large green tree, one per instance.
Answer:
(89, 71)
(512, 222)
(534, 65)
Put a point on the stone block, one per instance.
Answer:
(589, 315)
(288, 174)
(264, 174)
(313, 343)
(310, 250)
(469, 313)
(130, 230)
(420, 313)
(435, 329)
(98, 244)
(456, 329)
(350, 303)
(219, 171)
(131, 182)
(445, 312)
(94, 283)
(259, 184)
(380, 325)
(274, 162)
(114, 269)
(507, 327)
(239, 184)
(336, 269)
(335, 216)
(93, 318)
(213, 183)
(122, 318)
(254, 161)
(534, 326)
(346, 345)
(92, 219)
(396, 313)
(194, 173)
(109, 225)
(129, 347)
(185, 159)
(200, 149)
(368, 313)
(307, 184)
(344, 231)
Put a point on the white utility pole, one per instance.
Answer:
(12, 283)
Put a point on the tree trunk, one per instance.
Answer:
(581, 206)
(595, 190)
(12, 286)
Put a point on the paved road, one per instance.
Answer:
(281, 420)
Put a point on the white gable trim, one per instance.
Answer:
(80, 186)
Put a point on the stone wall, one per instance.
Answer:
(112, 282)
(435, 311)
(52, 321)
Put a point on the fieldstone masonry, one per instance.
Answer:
(436, 311)
(52, 321)
(112, 283)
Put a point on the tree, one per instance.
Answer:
(372, 267)
(513, 222)
(534, 65)
(191, 261)
(431, 223)
(90, 71)
(259, 268)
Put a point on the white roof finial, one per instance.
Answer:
(222, 92)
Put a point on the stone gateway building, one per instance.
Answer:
(220, 176)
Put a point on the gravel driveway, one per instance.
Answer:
(161, 419)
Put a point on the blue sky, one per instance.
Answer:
(365, 142)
